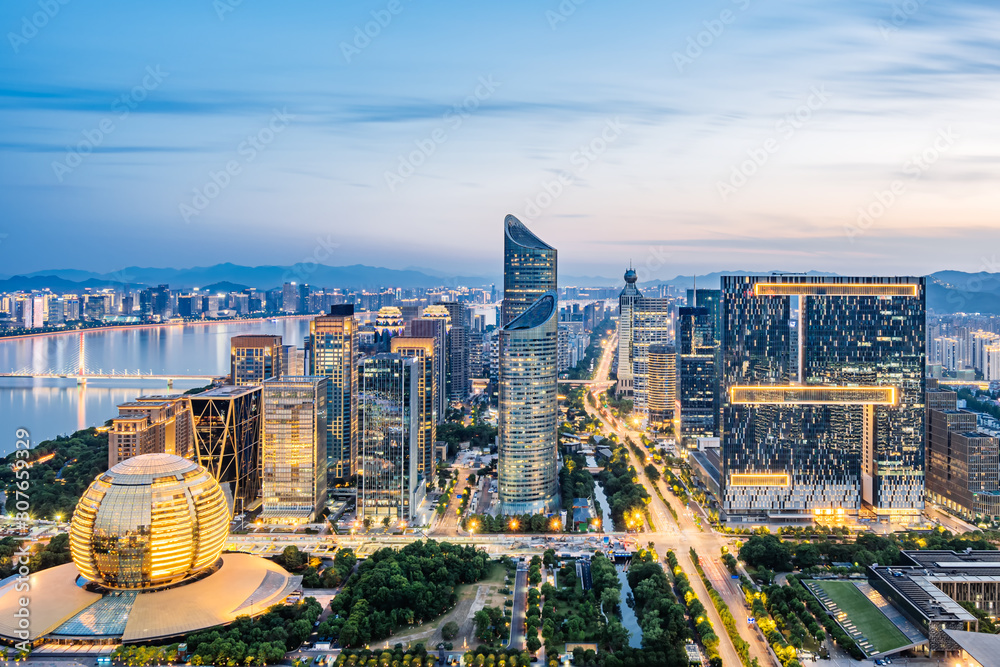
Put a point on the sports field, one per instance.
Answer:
(864, 616)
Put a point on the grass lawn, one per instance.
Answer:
(865, 616)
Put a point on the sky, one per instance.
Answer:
(852, 137)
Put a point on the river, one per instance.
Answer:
(51, 407)
(629, 619)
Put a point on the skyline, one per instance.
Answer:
(873, 89)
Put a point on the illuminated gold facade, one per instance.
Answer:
(149, 522)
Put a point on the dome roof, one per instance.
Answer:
(631, 276)
(151, 521)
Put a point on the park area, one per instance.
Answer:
(858, 616)
(471, 598)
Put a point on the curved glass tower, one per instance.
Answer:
(528, 409)
(529, 269)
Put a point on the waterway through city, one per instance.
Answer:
(52, 407)
(629, 619)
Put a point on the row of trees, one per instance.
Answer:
(771, 552)
(392, 589)
(661, 617)
(260, 641)
(294, 560)
(626, 497)
(575, 481)
(696, 612)
(523, 523)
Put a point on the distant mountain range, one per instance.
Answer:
(947, 292)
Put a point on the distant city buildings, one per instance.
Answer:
(823, 397)
(293, 449)
(962, 463)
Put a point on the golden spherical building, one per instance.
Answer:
(151, 521)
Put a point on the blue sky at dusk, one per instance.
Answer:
(687, 137)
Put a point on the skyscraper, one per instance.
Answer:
(435, 325)
(697, 378)
(823, 396)
(652, 324)
(421, 350)
(227, 424)
(529, 269)
(626, 300)
(528, 412)
(458, 350)
(293, 449)
(663, 395)
(333, 345)
(254, 358)
(389, 485)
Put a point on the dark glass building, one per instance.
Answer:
(529, 269)
(389, 484)
(697, 378)
(227, 431)
(823, 397)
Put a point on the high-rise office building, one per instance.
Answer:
(389, 485)
(435, 326)
(227, 424)
(293, 449)
(962, 464)
(663, 391)
(422, 351)
(697, 378)
(626, 301)
(290, 298)
(652, 324)
(332, 353)
(254, 358)
(528, 411)
(823, 397)
(459, 379)
(530, 267)
(151, 425)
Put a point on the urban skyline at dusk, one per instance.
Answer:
(640, 121)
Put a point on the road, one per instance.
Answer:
(517, 638)
(447, 524)
(683, 534)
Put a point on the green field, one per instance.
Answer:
(865, 616)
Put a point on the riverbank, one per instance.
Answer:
(152, 325)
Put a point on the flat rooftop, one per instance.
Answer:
(915, 586)
(227, 391)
